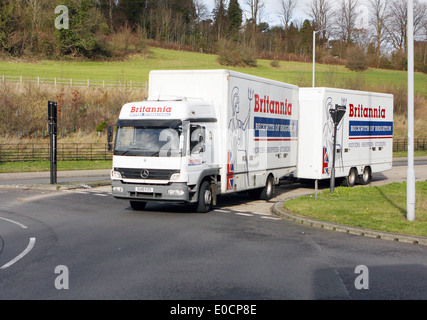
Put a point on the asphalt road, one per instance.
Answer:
(105, 250)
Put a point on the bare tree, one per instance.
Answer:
(202, 12)
(346, 20)
(255, 7)
(287, 12)
(380, 14)
(321, 13)
(398, 23)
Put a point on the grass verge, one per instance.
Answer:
(137, 68)
(38, 166)
(381, 208)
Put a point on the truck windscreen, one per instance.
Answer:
(148, 141)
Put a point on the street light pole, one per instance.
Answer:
(314, 55)
(410, 178)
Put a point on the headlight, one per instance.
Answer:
(116, 175)
(173, 192)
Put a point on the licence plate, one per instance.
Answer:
(144, 189)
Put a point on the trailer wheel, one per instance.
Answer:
(366, 177)
(268, 191)
(138, 205)
(350, 180)
(205, 198)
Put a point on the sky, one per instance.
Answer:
(272, 9)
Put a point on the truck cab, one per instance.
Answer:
(164, 152)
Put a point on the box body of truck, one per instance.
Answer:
(364, 142)
(217, 132)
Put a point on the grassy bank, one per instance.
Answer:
(378, 208)
(137, 68)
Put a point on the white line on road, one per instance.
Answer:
(270, 218)
(23, 253)
(243, 214)
(262, 214)
(17, 223)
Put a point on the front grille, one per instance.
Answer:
(153, 174)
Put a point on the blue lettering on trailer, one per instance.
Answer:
(275, 129)
(370, 129)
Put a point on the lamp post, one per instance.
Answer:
(314, 55)
(410, 178)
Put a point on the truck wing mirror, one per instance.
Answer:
(110, 137)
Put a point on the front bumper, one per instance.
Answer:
(174, 192)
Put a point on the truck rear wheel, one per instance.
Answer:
(268, 191)
(366, 177)
(205, 198)
(138, 205)
(350, 180)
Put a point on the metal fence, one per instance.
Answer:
(99, 151)
(65, 152)
(74, 82)
(402, 144)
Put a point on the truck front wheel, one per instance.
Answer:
(205, 198)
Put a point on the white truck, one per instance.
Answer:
(203, 133)
(364, 142)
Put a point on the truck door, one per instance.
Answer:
(198, 154)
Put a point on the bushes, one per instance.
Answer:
(23, 108)
(356, 59)
(231, 53)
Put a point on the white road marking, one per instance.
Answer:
(17, 223)
(262, 214)
(270, 218)
(20, 256)
(243, 214)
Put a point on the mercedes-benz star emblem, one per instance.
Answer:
(145, 173)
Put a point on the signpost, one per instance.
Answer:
(336, 114)
(53, 130)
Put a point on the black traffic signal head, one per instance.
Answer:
(337, 114)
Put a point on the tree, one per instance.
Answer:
(80, 38)
(220, 18)
(288, 8)
(346, 20)
(398, 22)
(321, 13)
(255, 7)
(380, 15)
(235, 16)
(108, 7)
(287, 12)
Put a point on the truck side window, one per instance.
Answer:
(197, 139)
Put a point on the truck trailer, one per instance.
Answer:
(204, 133)
(364, 140)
